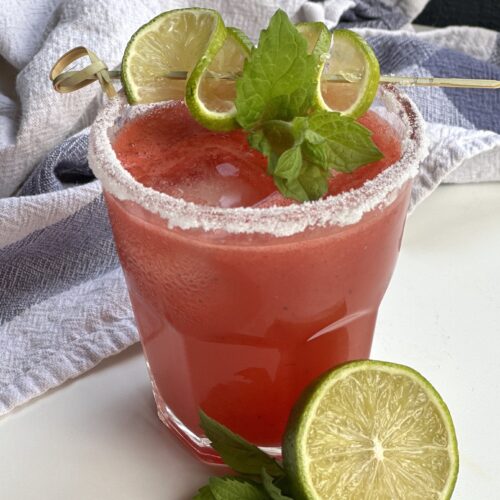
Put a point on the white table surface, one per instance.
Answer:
(98, 437)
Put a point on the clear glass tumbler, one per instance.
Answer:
(239, 309)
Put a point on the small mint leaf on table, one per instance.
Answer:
(278, 77)
(228, 488)
(204, 493)
(238, 453)
(271, 488)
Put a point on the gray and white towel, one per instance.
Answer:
(63, 302)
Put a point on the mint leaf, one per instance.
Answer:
(289, 164)
(311, 184)
(303, 152)
(313, 137)
(224, 487)
(204, 493)
(260, 142)
(314, 181)
(242, 36)
(272, 489)
(291, 189)
(278, 77)
(281, 135)
(347, 144)
(275, 102)
(239, 454)
(294, 176)
(229, 488)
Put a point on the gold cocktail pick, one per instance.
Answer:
(461, 83)
(409, 81)
(68, 81)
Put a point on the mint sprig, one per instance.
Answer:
(238, 453)
(274, 103)
(271, 488)
(278, 77)
(230, 488)
(204, 493)
(262, 477)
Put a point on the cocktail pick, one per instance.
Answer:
(68, 81)
(409, 81)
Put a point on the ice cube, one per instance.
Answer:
(275, 199)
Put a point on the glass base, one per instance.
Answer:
(199, 445)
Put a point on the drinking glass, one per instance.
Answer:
(239, 309)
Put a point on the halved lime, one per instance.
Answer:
(183, 39)
(209, 96)
(354, 61)
(371, 430)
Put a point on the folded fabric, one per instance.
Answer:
(63, 301)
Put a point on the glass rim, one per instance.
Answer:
(342, 209)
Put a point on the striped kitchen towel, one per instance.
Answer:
(63, 301)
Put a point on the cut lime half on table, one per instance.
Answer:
(371, 430)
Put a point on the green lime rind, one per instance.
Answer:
(319, 39)
(130, 70)
(129, 88)
(372, 72)
(213, 120)
(242, 38)
(369, 85)
(304, 412)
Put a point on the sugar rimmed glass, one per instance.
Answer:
(239, 309)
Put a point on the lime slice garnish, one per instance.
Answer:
(319, 41)
(183, 39)
(352, 59)
(371, 430)
(242, 38)
(209, 96)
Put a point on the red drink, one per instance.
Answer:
(235, 323)
(236, 329)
